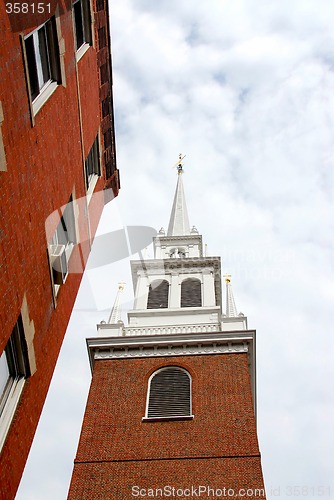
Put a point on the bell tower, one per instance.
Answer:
(172, 404)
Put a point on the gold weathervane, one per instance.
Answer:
(179, 164)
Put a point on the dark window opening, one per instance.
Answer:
(104, 73)
(169, 393)
(158, 294)
(82, 21)
(191, 293)
(102, 37)
(107, 137)
(99, 5)
(92, 163)
(14, 362)
(106, 107)
(42, 55)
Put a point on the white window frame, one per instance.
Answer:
(33, 57)
(83, 8)
(17, 375)
(175, 417)
(91, 178)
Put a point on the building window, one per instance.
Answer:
(158, 294)
(191, 293)
(82, 21)
(92, 163)
(169, 393)
(42, 57)
(61, 245)
(14, 369)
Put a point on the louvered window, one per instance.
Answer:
(158, 294)
(191, 293)
(169, 393)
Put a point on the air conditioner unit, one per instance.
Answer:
(58, 263)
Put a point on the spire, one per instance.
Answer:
(179, 222)
(116, 311)
(231, 310)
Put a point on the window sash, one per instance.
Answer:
(14, 362)
(42, 54)
(92, 162)
(5, 378)
(82, 23)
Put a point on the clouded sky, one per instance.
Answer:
(246, 90)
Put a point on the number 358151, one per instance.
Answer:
(28, 8)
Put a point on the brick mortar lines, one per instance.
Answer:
(217, 457)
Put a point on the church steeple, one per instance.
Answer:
(231, 310)
(116, 312)
(179, 221)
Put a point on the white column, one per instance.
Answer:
(175, 291)
(209, 298)
(141, 291)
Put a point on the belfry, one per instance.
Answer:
(172, 405)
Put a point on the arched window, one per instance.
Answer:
(191, 294)
(169, 393)
(158, 294)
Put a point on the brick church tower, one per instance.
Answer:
(172, 405)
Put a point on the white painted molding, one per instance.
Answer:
(169, 350)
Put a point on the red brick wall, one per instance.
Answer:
(219, 446)
(44, 166)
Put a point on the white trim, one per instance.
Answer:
(61, 47)
(170, 349)
(161, 419)
(45, 94)
(10, 406)
(92, 184)
(81, 51)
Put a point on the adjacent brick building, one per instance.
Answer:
(57, 170)
(172, 405)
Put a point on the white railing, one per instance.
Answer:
(171, 329)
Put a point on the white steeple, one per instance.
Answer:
(179, 290)
(180, 241)
(115, 325)
(232, 319)
(231, 310)
(179, 221)
(116, 312)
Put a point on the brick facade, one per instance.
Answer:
(43, 165)
(217, 449)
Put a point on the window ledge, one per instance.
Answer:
(43, 97)
(162, 419)
(92, 184)
(82, 51)
(9, 409)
